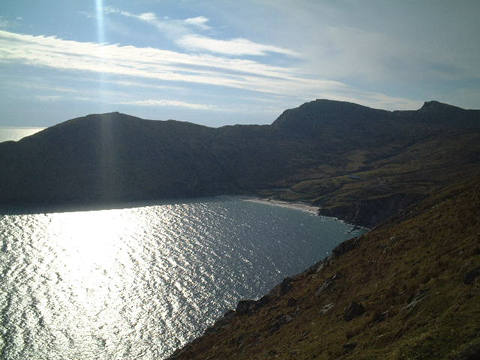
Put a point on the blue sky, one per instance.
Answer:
(225, 62)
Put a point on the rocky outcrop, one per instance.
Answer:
(353, 310)
(371, 212)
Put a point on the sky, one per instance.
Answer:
(220, 62)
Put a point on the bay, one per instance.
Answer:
(139, 282)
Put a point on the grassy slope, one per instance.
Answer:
(363, 185)
(409, 276)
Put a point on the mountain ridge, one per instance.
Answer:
(318, 151)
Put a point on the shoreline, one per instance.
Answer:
(302, 206)
(286, 204)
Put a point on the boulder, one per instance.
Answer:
(291, 302)
(349, 346)
(470, 276)
(279, 322)
(245, 307)
(353, 310)
(345, 247)
(326, 308)
(326, 284)
(285, 286)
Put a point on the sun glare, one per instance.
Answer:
(102, 55)
(100, 23)
(91, 239)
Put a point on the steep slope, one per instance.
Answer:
(409, 289)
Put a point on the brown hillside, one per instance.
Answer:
(409, 289)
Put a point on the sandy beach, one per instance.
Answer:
(292, 205)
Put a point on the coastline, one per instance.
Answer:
(286, 204)
(303, 206)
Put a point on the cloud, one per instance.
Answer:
(172, 103)
(199, 21)
(231, 47)
(165, 65)
(149, 17)
(173, 69)
(183, 36)
(169, 27)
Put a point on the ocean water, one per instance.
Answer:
(138, 282)
(16, 133)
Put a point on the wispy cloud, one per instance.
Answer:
(170, 103)
(181, 32)
(230, 47)
(113, 98)
(169, 27)
(199, 21)
(52, 52)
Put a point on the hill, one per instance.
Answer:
(409, 289)
(357, 163)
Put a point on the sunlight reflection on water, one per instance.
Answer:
(139, 282)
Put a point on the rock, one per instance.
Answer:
(326, 284)
(245, 307)
(470, 276)
(349, 346)
(279, 322)
(285, 286)
(353, 310)
(326, 308)
(229, 314)
(345, 247)
(414, 300)
(264, 300)
(315, 268)
(281, 289)
(379, 317)
(291, 302)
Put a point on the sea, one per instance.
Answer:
(141, 280)
(16, 133)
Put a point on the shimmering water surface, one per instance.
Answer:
(136, 283)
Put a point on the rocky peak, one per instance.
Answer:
(434, 105)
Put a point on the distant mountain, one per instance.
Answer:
(334, 154)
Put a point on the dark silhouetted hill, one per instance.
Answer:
(357, 163)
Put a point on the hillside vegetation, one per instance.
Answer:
(409, 289)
